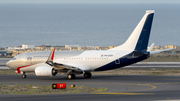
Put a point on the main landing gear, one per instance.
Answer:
(24, 75)
(87, 75)
(73, 76)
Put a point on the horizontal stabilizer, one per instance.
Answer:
(153, 52)
(151, 47)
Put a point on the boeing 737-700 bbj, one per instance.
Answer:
(48, 63)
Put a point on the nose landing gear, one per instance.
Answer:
(24, 75)
(71, 76)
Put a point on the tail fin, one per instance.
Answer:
(139, 38)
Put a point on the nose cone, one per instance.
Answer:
(8, 64)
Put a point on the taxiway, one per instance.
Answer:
(120, 87)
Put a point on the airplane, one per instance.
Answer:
(49, 63)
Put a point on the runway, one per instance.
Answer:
(120, 87)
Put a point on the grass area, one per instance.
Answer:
(39, 89)
(7, 72)
(163, 59)
(12, 72)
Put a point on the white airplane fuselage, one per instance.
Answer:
(48, 63)
(85, 60)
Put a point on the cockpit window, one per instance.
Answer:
(14, 59)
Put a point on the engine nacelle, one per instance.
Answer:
(45, 71)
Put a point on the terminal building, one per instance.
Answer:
(27, 46)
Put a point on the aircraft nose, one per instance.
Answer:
(8, 64)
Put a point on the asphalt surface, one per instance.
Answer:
(120, 87)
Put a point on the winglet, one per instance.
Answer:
(151, 47)
(51, 58)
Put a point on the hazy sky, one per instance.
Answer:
(89, 1)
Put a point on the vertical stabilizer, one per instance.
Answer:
(139, 38)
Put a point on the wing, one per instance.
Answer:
(76, 68)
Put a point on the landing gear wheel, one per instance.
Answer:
(71, 76)
(87, 75)
(24, 75)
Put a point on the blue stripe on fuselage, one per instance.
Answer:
(131, 58)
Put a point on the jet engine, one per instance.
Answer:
(45, 71)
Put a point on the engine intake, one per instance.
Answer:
(45, 71)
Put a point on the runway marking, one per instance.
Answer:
(147, 84)
(164, 83)
(152, 87)
(121, 93)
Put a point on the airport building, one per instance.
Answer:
(27, 46)
(5, 53)
(2, 53)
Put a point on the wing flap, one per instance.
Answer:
(64, 66)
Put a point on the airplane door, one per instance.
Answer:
(23, 59)
(29, 60)
(65, 59)
(117, 56)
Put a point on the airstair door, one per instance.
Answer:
(65, 59)
(117, 56)
(23, 58)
